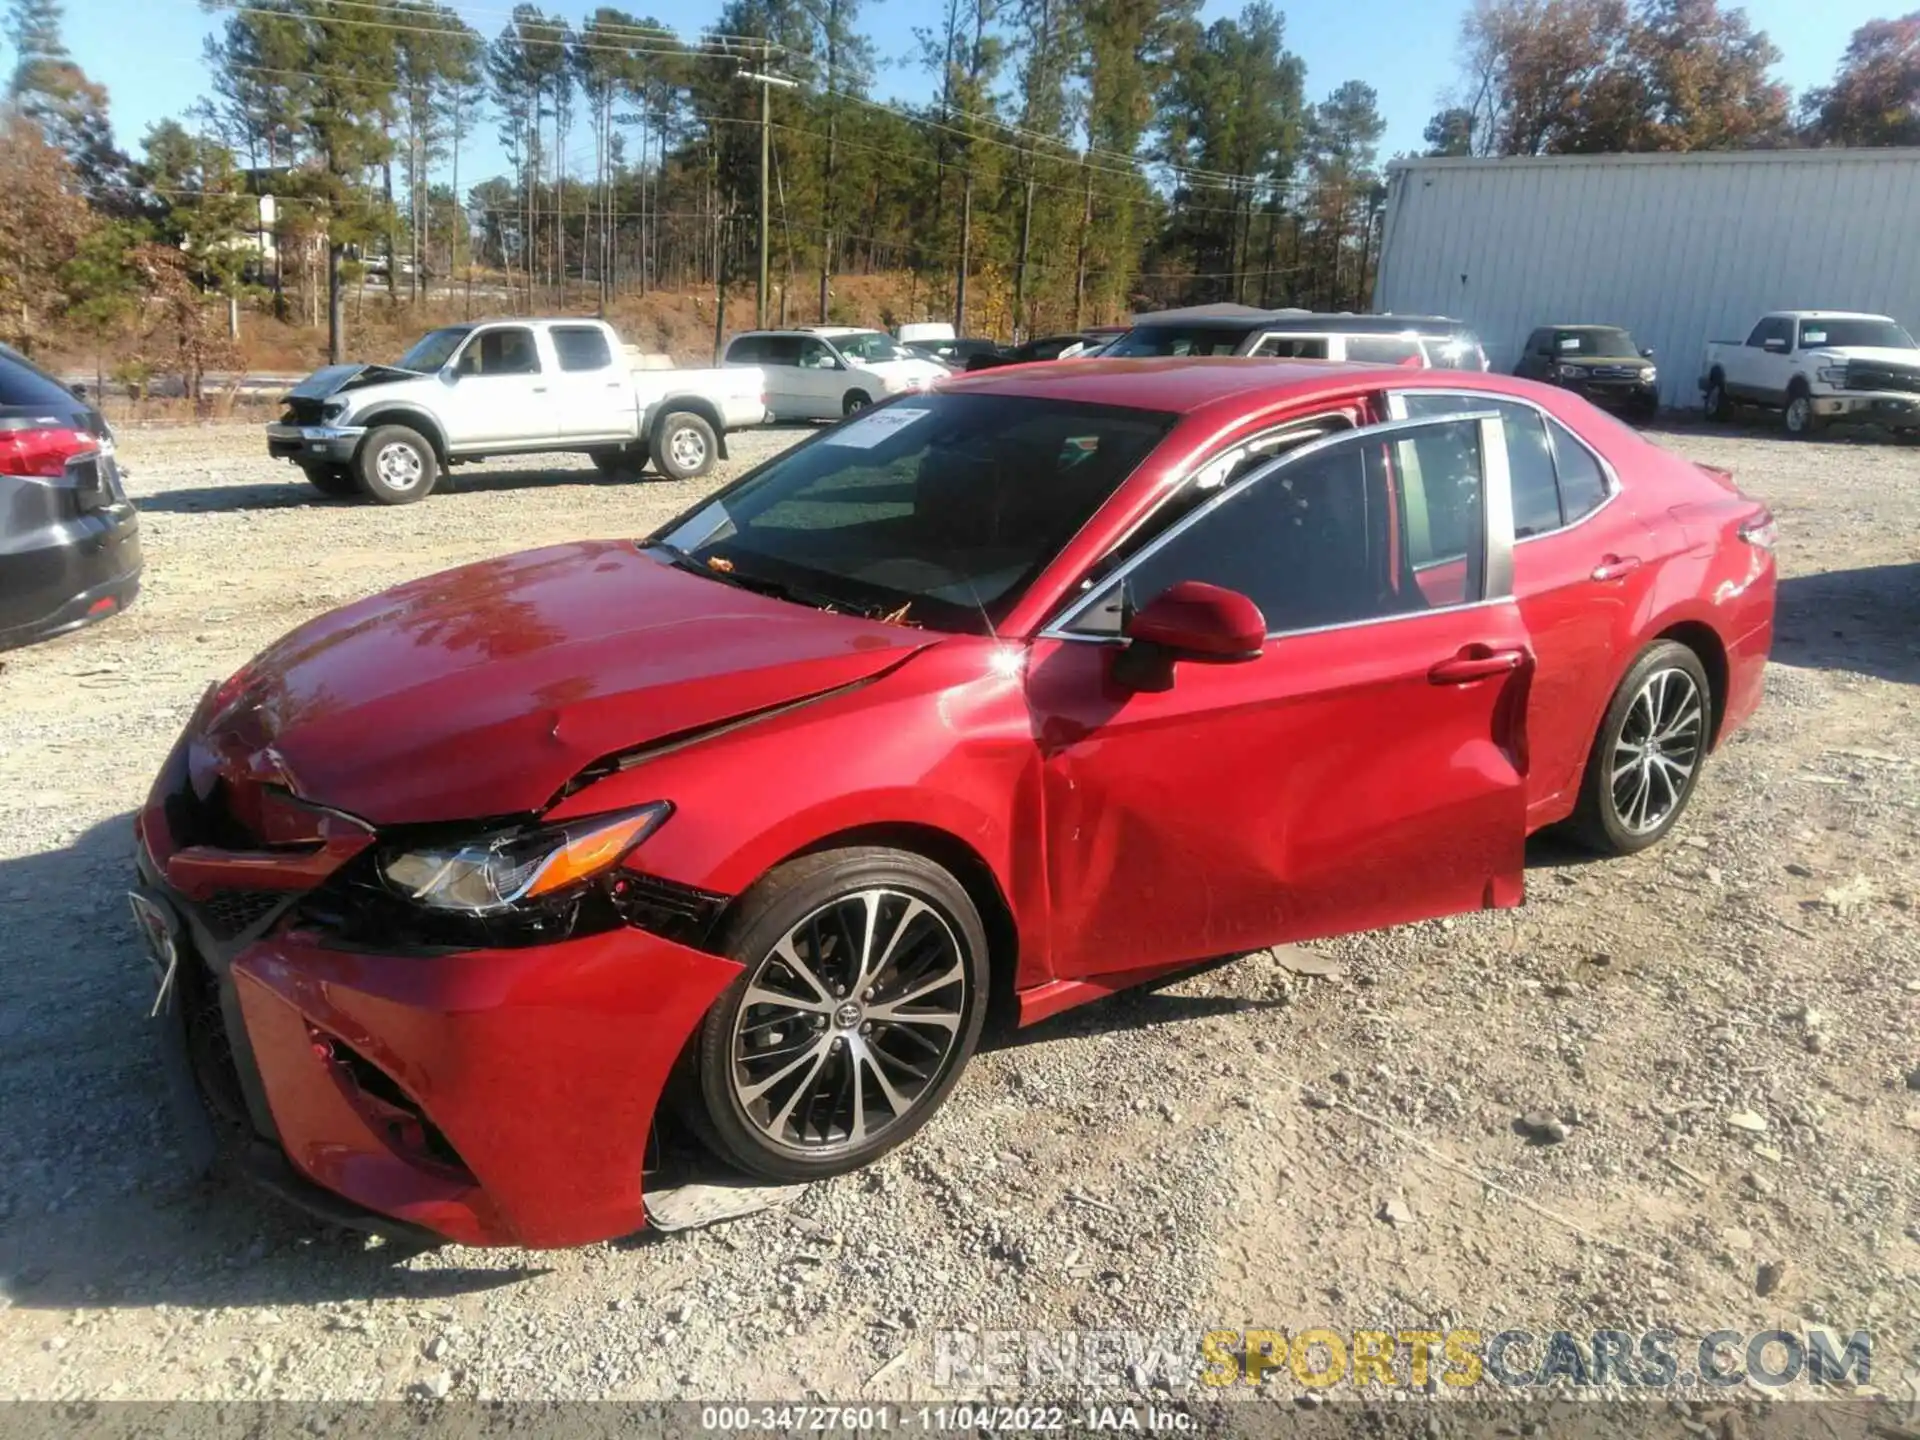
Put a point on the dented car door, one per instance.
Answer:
(1366, 768)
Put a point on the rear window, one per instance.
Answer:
(581, 347)
(746, 349)
(21, 384)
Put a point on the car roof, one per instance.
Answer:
(1299, 322)
(1581, 325)
(1826, 315)
(1186, 385)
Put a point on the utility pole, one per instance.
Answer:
(766, 82)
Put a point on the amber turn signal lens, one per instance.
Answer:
(592, 851)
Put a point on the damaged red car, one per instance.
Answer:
(1041, 684)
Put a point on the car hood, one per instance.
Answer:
(1878, 354)
(332, 379)
(482, 691)
(1630, 362)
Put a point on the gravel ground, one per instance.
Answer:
(1723, 1031)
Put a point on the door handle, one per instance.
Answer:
(1616, 567)
(538, 389)
(1476, 662)
(615, 385)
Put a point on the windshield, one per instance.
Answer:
(1176, 340)
(434, 349)
(1599, 344)
(1883, 334)
(870, 345)
(939, 510)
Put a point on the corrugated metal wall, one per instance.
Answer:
(1680, 249)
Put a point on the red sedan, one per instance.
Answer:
(1047, 682)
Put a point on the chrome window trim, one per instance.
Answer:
(1396, 407)
(1496, 512)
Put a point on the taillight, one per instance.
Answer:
(43, 452)
(1760, 531)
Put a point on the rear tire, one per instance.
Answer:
(336, 481)
(1646, 760)
(854, 402)
(865, 988)
(397, 466)
(685, 446)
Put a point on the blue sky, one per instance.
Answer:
(148, 54)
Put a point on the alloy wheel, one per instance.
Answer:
(1799, 414)
(849, 1022)
(398, 465)
(688, 448)
(1657, 751)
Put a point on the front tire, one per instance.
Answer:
(863, 997)
(1647, 757)
(854, 401)
(686, 447)
(1800, 417)
(336, 481)
(397, 466)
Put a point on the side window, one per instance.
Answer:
(1758, 336)
(1583, 484)
(507, 351)
(1383, 349)
(1539, 342)
(581, 347)
(1536, 498)
(744, 350)
(814, 355)
(1329, 539)
(1772, 328)
(780, 349)
(1292, 347)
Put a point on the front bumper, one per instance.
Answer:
(1891, 405)
(492, 1097)
(1616, 394)
(314, 444)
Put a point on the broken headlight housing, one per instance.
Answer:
(493, 874)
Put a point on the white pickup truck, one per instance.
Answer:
(507, 387)
(1813, 365)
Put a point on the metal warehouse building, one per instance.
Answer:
(1680, 249)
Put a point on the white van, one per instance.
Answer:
(826, 371)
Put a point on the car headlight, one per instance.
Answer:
(1568, 372)
(1832, 374)
(1649, 375)
(493, 873)
(333, 409)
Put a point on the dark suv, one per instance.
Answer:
(1420, 341)
(1601, 362)
(69, 538)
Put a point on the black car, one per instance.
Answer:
(954, 354)
(1601, 362)
(69, 538)
(1046, 347)
(1425, 341)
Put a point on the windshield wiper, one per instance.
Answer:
(761, 584)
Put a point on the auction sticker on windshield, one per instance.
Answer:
(869, 430)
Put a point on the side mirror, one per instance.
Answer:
(1189, 621)
(449, 374)
(1646, 352)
